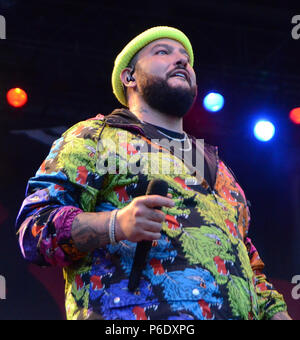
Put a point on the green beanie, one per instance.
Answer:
(139, 42)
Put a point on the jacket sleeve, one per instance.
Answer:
(65, 185)
(269, 300)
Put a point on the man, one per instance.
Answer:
(86, 207)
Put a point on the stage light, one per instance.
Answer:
(213, 102)
(295, 115)
(264, 130)
(16, 97)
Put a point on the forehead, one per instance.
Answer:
(170, 42)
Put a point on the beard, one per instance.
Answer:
(169, 100)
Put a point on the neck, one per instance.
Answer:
(149, 115)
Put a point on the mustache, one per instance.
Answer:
(178, 68)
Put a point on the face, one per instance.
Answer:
(164, 78)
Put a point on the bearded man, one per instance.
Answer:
(86, 209)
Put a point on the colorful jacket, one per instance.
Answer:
(203, 267)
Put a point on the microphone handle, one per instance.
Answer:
(158, 187)
(139, 263)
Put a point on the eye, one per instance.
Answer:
(161, 51)
(202, 284)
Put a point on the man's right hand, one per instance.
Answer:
(141, 219)
(138, 221)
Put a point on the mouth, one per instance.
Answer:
(180, 74)
(221, 265)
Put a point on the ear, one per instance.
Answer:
(125, 74)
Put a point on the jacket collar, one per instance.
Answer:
(125, 119)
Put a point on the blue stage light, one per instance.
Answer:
(213, 102)
(264, 130)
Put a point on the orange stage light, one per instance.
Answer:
(16, 97)
(295, 115)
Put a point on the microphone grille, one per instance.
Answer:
(157, 187)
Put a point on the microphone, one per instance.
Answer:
(155, 187)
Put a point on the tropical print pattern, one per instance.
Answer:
(204, 266)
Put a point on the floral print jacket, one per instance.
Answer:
(203, 267)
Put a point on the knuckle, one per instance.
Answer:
(138, 212)
(135, 202)
(162, 216)
(157, 215)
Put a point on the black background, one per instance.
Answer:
(62, 53)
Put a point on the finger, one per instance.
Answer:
(153, 201)
(148, 236)
(152, 227)
(154, 215)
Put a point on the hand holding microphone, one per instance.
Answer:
(141, 219)
(141, 222)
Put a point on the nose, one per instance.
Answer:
(181, 59)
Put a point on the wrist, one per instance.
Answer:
(119, 235)
(112, 227)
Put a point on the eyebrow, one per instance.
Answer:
(170, 48)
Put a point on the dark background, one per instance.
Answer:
(62, 53)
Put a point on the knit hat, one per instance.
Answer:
(139, 42)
